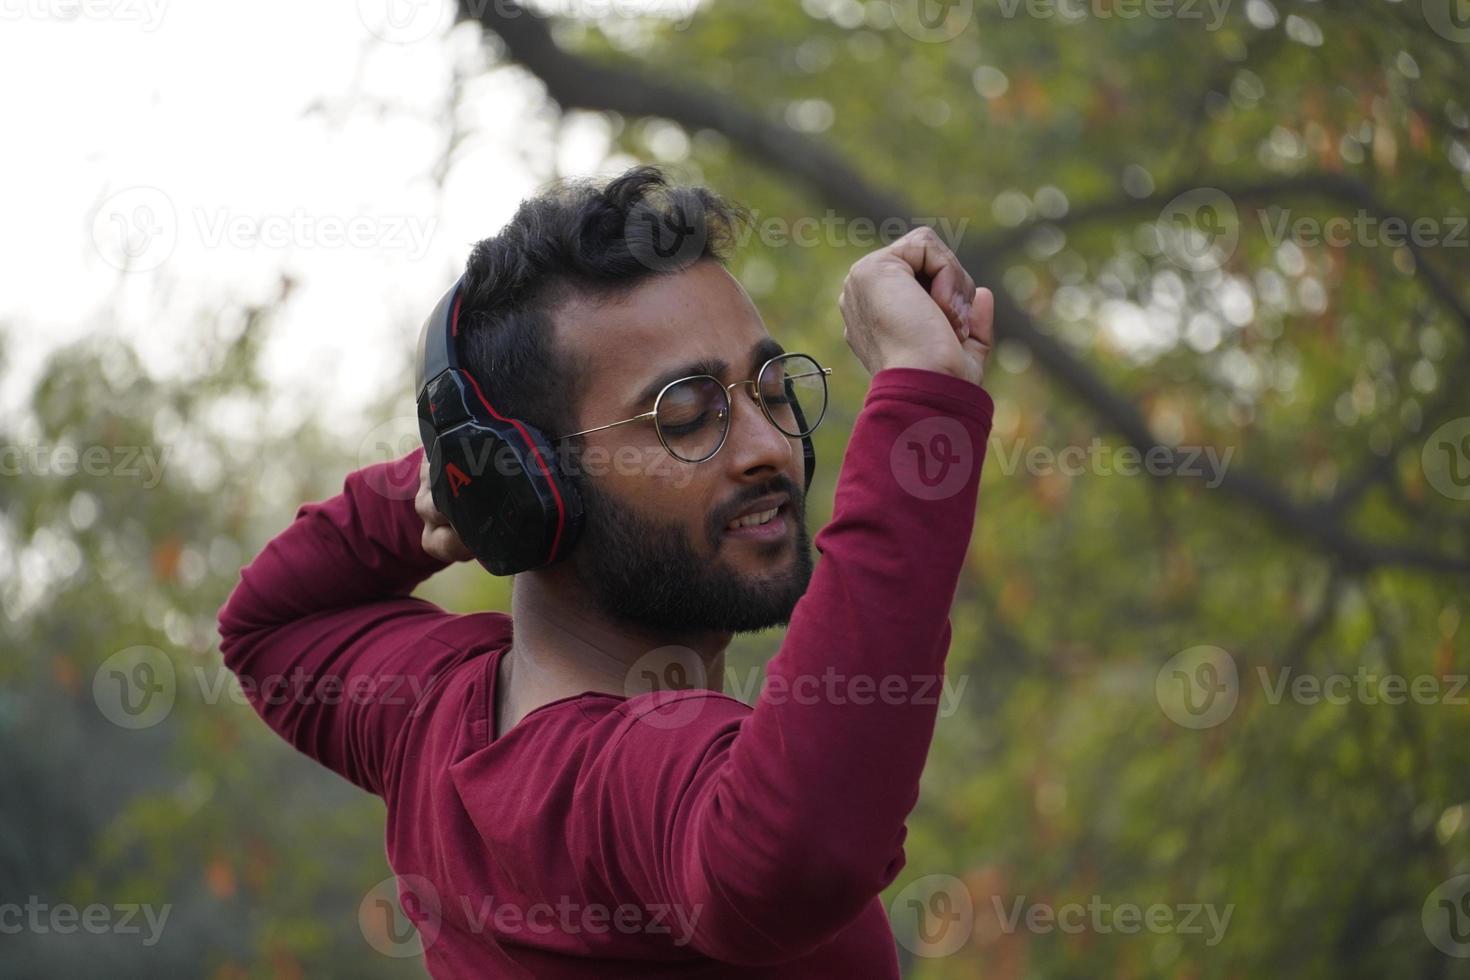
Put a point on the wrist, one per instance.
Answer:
(963, 372)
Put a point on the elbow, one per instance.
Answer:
(232, 622)
(227, 624)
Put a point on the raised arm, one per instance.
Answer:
(322, 634)
(776, 827)
(789, 819)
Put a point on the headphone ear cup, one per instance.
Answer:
(538, 497)
(496, 479)
(461, 464)
(507, 502)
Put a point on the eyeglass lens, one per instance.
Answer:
(693, 414)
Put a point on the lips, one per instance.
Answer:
(758, 513)
(775, 529)
(754, 520)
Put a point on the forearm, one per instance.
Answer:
(807, 822)
(359, 546)
(321, 630)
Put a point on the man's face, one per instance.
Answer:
(656, 551)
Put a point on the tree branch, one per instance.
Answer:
(574, 82)
(1330, 186)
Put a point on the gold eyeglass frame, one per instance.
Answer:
(821, 372)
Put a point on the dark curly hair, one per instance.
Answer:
(577, 238)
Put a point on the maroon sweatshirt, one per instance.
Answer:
(674, 833)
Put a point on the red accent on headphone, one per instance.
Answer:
(457, 478)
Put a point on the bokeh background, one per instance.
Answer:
(1208, 650)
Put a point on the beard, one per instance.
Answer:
(647, 573)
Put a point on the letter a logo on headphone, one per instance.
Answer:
(457, 479)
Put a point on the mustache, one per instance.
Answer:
(780, 483)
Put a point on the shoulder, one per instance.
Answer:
(473, 632)
(664, 731)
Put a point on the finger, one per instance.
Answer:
(455, 550)
(423, 505)
(444, 544)
(981, 321)
(424, 489)
(925, 253)
(950, 286)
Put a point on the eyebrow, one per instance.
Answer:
(765, 349)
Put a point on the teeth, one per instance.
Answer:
(750, 520)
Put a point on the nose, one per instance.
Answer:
(754, 447)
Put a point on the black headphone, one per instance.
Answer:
(496, 478)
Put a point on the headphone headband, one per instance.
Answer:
(436, 346)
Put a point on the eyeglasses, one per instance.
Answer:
(692, 415)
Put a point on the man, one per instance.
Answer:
(548, 814)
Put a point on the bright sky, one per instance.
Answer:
(169, 160)
(212, 148)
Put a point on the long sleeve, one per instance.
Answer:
(322, 633)
(778, 825)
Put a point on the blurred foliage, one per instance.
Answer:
(1324, 828)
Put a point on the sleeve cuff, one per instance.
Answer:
(942, 392)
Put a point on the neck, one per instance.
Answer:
(564, 645)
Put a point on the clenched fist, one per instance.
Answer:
(911, 304)
(440, 539)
